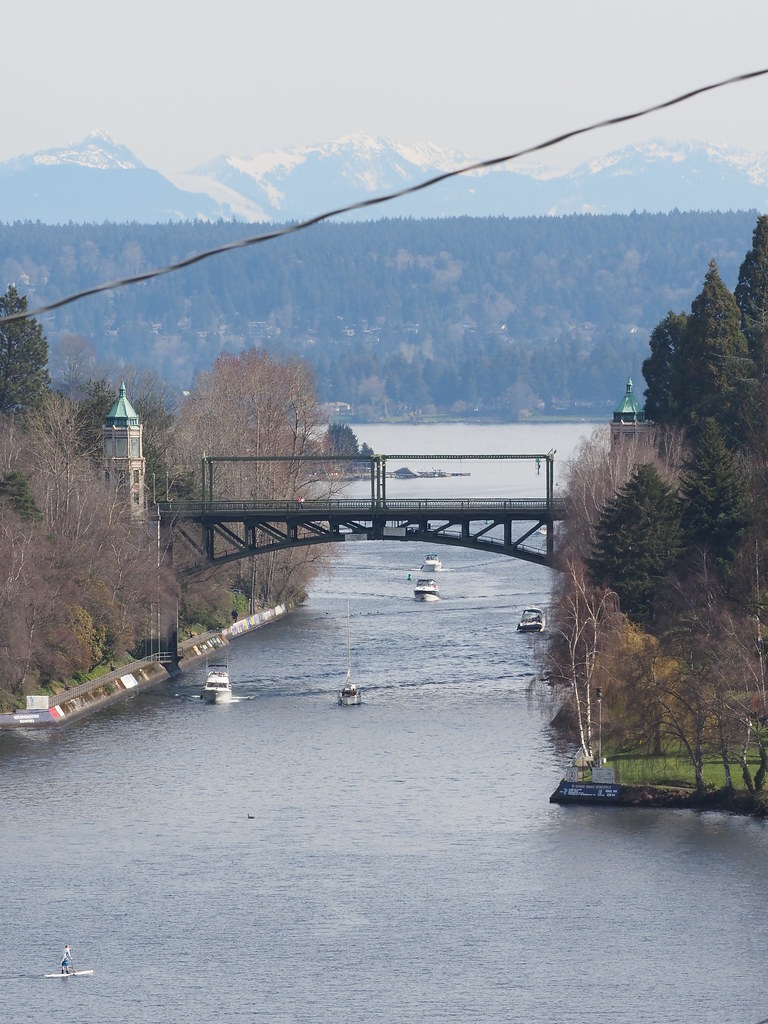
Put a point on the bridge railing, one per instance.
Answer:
(163, 657)
(315, 506)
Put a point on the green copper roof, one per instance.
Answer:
(122, 413)
(629, 409)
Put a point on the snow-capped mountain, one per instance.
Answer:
(98, 150)
(99, 180)
(656, 177)
(301, 182)
(659, 176)
(94, 181)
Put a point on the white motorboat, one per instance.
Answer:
(531, 621)
(432, 564)
(217, 689)
(349, 695)
(426, 590)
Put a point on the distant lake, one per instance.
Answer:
(486, 479)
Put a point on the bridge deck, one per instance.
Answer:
(314, 507)
(237, 529)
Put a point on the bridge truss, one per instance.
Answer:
(230, 530)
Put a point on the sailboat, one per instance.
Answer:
(349, 695)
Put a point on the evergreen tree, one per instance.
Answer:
(638, 542)
(340, 439)
(713, 495)
(92, 410)
(752, 297)
(24, 378)
(16, 495)
(710, 362)
(658, 367)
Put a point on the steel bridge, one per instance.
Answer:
(234, 529)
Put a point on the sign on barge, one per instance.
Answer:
(602, 788)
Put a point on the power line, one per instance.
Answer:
(377, 200)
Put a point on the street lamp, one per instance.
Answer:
(600, 728)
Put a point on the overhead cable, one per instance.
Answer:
(388, 197)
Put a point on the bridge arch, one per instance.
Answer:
(233, 529)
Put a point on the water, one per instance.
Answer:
(403, 862)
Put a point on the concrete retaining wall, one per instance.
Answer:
(121, 683)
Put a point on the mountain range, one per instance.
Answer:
(98, 180)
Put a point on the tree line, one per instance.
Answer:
(662, 597)
(494, 317)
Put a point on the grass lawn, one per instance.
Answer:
(671, 769)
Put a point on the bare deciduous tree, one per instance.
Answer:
(598, 470)
(252, 406)
(72, 364)
(583, 620)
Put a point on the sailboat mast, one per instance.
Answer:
(349, 646)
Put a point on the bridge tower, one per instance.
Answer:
(124, 462)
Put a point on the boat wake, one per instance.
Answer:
(195, 698)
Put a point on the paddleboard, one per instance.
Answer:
(72, 974)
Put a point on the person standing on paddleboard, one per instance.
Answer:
(66, 959)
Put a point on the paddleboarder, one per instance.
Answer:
(66, 959)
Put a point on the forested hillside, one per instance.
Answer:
(506, 317)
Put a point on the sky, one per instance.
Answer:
(181, 82)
